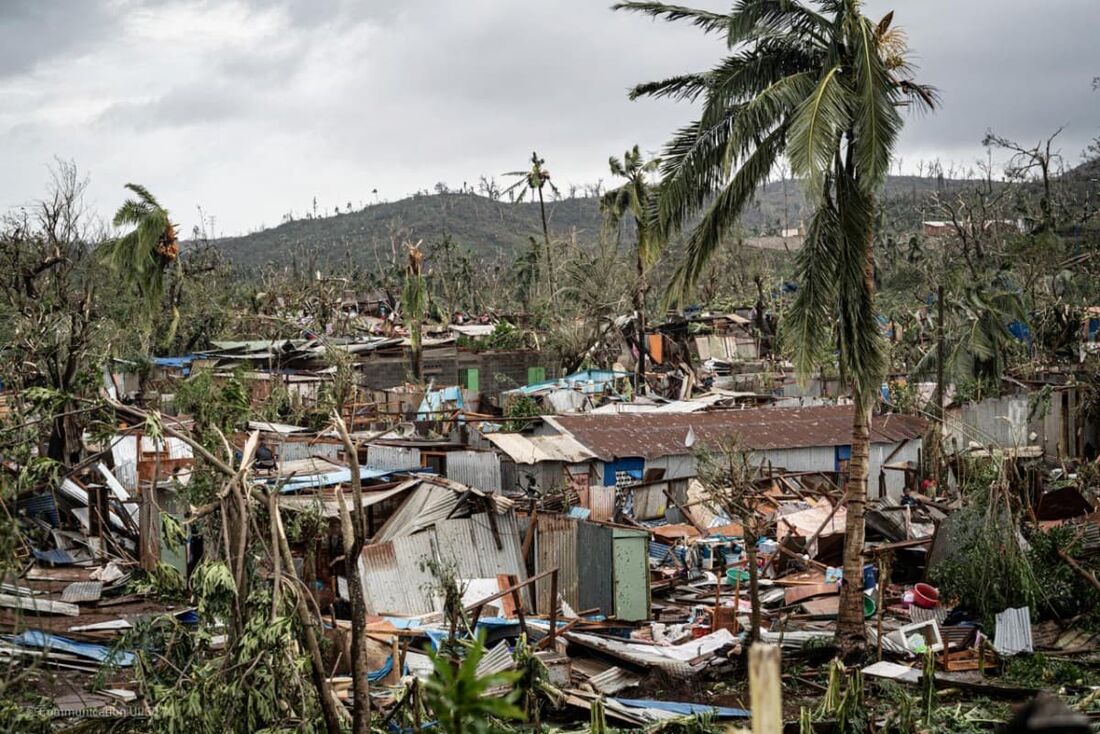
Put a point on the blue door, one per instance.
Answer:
(631, 468)
(843, 456)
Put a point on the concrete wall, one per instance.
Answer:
(497, 370)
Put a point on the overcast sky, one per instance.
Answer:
(250, 108)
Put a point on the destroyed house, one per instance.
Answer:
(627, 448)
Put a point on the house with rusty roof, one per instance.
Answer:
(618, 449)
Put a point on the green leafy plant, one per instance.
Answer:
(464, 702)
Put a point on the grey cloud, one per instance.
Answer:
(348, 95)
(35, 31)
(184, 106)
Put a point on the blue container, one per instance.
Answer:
(870, 576)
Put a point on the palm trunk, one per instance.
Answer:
(639, 314)
(751, 537)
(850, 632)
(415, 349)
(549, 259)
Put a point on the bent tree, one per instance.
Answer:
(820, 84)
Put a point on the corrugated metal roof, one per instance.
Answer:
(613, 680)
(524, 449)
(651, 435)
(1013, 632)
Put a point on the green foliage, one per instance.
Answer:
(214, 402)
(214, 588)
(461, 700)
(504, 336)
(843, 702)
(1040, 671)
(164, 583)
(1064, 593)
(988, 570)
(520, 406)
(23, 710)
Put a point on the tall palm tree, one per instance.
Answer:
(635, 198)
(143, 255)
(535, 179)
(414, 305)
(820, 84)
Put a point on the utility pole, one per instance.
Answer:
(939, 386)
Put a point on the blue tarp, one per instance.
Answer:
(183, 363)
(100, 653)
(589, 382)
(56, 557)
(329, 479)
(684, 709)
(431, 407)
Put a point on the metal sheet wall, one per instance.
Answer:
(394, 458)
(297, 450)
(471, 545)
(477, 469)
(601, 500)
(556, 545)
(393, 578)
(595, 568)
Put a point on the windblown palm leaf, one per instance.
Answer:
(820, 84)
(143, 254)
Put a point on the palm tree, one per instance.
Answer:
(635, 198)
(978, 333)
(414, 305)
(144, 254)
(820, 84)
(535, 180)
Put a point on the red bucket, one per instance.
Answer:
(926, 596)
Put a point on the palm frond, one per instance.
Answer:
(861, 355)
(752, 19)
(816, 128)
(812, 316)
(686, 87)
(877, 122)
(725, 210)
(704, 19)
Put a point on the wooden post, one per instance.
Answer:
(553, 607)
(765, 687)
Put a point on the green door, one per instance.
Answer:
(630, 549)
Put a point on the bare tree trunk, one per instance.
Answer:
(354, 533)
(307, 622)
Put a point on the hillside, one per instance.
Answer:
(492, 229)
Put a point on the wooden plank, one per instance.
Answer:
(765, 689)
(46, 606)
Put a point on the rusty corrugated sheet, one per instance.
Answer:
(471, 544)
(601, 500)
(393, 578)
(478, 469)
(556, 545)
(650, 435)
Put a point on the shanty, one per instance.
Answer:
(387, 368)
